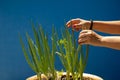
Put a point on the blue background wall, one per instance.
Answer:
(15, 16)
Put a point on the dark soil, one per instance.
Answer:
(84, 78)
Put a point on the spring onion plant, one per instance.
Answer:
(39, 54)
(72, 56)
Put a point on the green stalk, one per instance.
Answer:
(38, 44)
(39, 76)
(86, 57)
(54, 37)
(33, 52)
(81, 64)
(81, 76)
(45, 49)
(26, 56)
(41, 58)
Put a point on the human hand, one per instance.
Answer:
(89, 37)
(78, 24)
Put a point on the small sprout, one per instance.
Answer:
(71, 56)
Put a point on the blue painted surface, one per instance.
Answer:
(15, 16)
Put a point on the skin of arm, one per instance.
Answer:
(111, 42)
(111, 27)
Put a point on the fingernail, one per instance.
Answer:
(74, 26)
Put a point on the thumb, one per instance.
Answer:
(80, 25)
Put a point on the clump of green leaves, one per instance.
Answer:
(72, 56)
(39, 54)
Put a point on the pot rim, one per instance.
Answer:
(64, 73)
(92, 75)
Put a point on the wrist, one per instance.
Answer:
(99, 40)
(91, 24)
(87, 25)
(102, 41)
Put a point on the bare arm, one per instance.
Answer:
(111, 42)
(92, 38)
(112, 27)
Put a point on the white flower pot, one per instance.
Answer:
(86, 76)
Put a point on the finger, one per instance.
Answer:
(81, 25)
(81, 43)
(76, 29)
(72, 22)
(82, 36)
(83, 33)
(84, 40)
(86, 31)
(77, 26)
(68, 23)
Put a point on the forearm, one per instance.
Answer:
(112, 27)
(111, 42)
